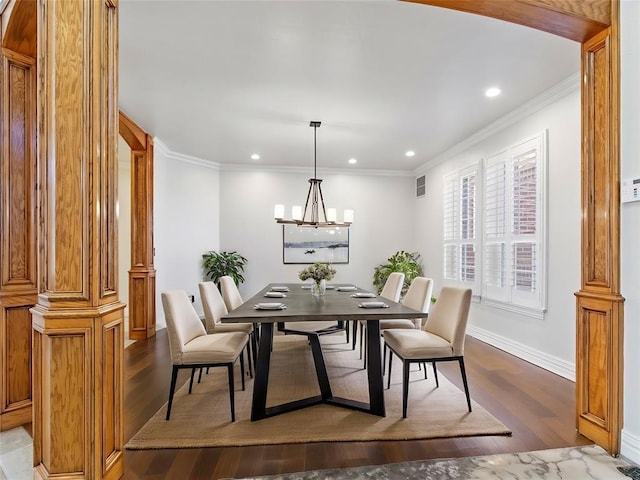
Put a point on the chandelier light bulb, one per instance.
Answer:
(296, 212)
(348, 216)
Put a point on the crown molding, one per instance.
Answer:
(229, 167)
(555, 93)
(309, 171)
(181, 157)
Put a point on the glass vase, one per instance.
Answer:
(318, 288)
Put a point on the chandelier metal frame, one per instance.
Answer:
(315, 213)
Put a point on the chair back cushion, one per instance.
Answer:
(213, 305)
(418, 296)
(183, 323)
(230, 293)
(448, 317)
(393, 286)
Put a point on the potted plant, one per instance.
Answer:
(219, 264)
(401, 261)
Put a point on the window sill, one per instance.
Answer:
(519, 309)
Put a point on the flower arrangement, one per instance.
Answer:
(317, 272)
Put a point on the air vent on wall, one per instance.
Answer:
(421, 186)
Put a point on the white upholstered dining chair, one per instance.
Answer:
(214, 308)
(230, 293)
(391, 291)
(191, 347)
(440, 340)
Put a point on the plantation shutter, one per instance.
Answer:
(450, 241)
(495, 220)
(514, 206)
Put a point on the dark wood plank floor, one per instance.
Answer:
(538, 406)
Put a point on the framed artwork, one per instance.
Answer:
(311, 245)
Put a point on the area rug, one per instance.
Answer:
(202, 419)
(573, 463)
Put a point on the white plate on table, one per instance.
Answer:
(278, 288)
(373, 305)
(269, 306)
(346, 289)
(275, 294)
(364, 295)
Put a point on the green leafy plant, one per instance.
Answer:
(219, 264)
(401, 261)
(317, 271)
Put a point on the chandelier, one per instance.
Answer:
(314, 213)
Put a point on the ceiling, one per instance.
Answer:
(221, 80)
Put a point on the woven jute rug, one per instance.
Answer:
(202, 419)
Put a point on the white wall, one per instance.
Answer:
(382, 225)
(630, 223)
(549, 342)
(186, 221)
(124, 225)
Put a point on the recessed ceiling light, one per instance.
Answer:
(410, 153)
(255, 156)
(353, 161)
(492, 92)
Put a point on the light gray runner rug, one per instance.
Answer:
(575, 463)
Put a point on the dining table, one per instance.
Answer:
(340, 303)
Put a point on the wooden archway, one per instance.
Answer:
(599, 306)
(77, 320)
(142, 275)
(18, 222)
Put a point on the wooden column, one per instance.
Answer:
(18, 279)
(599, 305)
(142, 276)
(78, 321)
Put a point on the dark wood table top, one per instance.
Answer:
(302, 306)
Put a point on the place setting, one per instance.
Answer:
(269, 306)
(273, 294)
(346, 288)
(373, 305)
(279, 288)
(364, 295)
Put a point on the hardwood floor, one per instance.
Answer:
(536, 405)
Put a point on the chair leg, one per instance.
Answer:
(361, 339)
(193, 372)
(254, 338)
(384, 357)
(248, 350)
(389, 372)
(405, 387)
(242, 369)
(464, 381)
(424, 366)
(347, 330)
(231, 392)
(365, 355)
(435, 374)
(200, 374)
(174, 377)
(353, 334)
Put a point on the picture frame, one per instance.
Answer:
(302, 245)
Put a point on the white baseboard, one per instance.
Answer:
(630, 448)
(541, 359)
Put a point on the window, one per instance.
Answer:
(494, 228)
(460, 239)
(514, 225)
